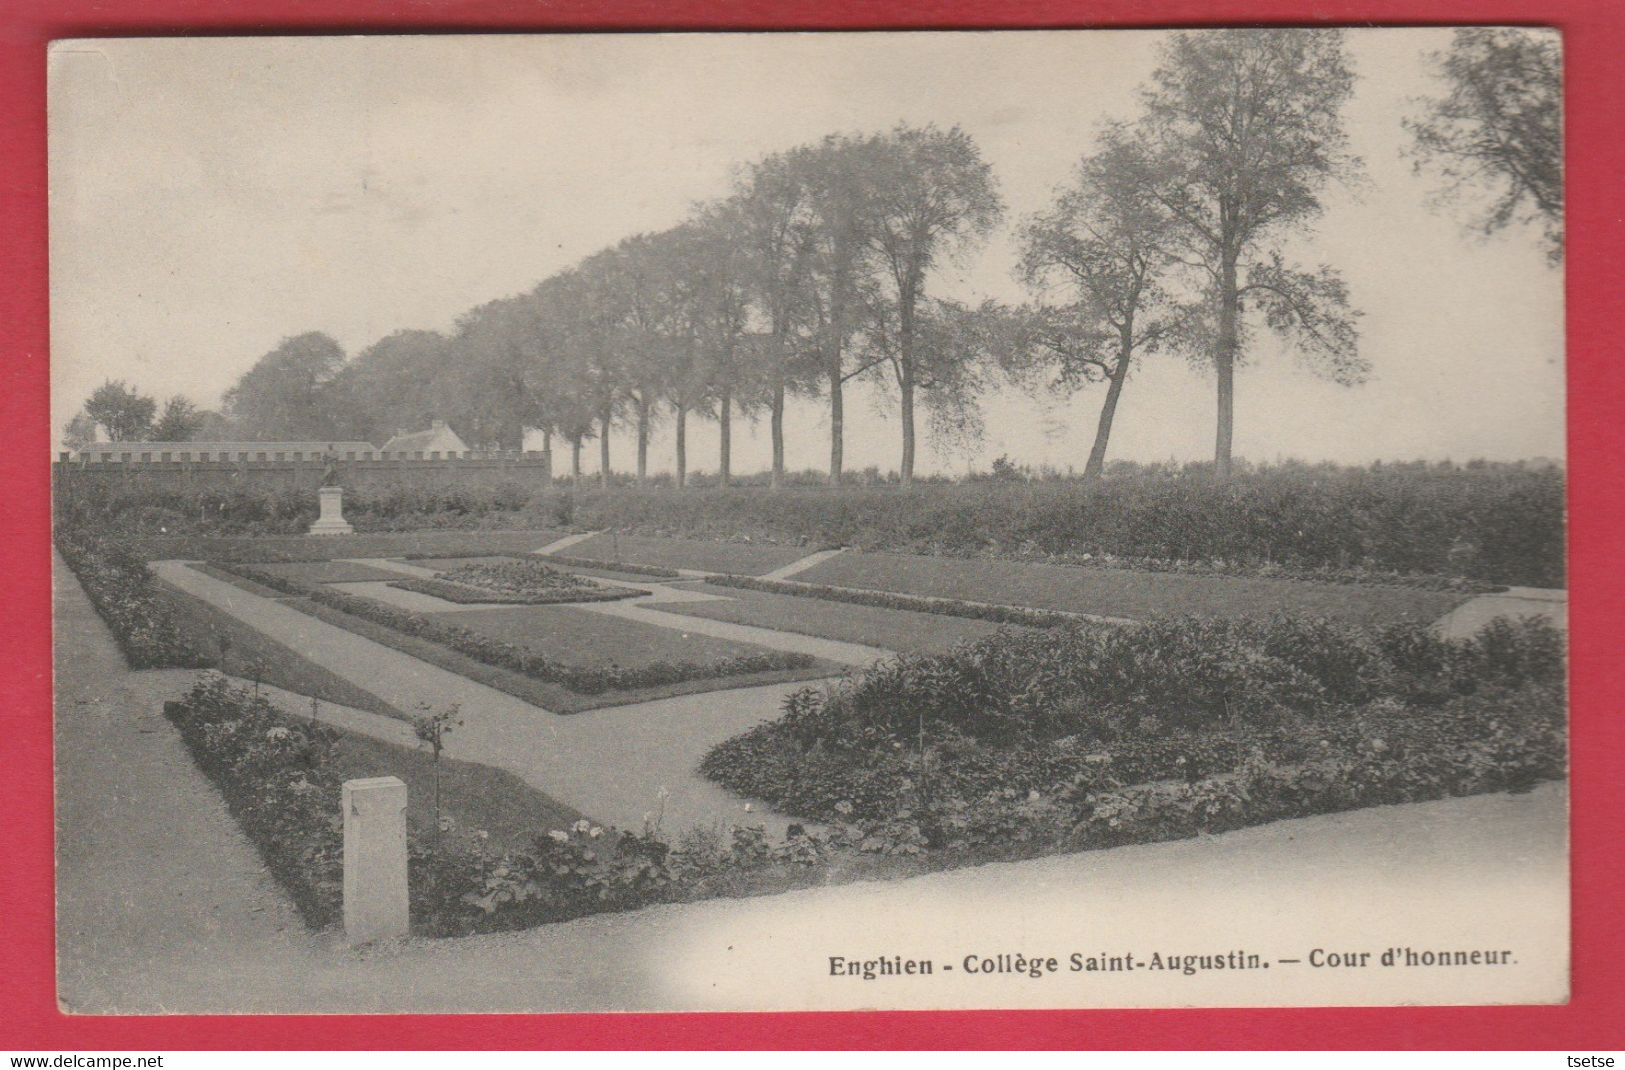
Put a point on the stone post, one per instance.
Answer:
(375, 901)
(331, 521)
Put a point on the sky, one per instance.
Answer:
(211, 196)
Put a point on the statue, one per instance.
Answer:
(331, 498)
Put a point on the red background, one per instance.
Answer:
(1594, 32)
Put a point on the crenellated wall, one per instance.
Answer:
(127, 466)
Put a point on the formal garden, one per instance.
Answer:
(1070, 680)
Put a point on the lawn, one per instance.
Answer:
(249, 654)
(891, 629)
(261, 548)
(332, 572)
(1123, 592)
(746, 559)
(477, 797)
(581, 637)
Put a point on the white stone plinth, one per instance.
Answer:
(332, 521)
(375, 902)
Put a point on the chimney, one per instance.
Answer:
(437, 425)
(399, 431)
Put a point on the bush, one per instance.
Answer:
(468, 594)
(585, 680)
(274, 774)
(1183, 698)
(123, 590)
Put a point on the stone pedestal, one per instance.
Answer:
(375, 901)
(332, 521)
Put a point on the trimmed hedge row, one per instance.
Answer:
(468, 594)
(123, 591)
(1491, 522)
(947, 607)
(585, 680)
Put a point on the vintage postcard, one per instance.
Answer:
(809, 521)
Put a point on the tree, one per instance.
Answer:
(836, 215)
(931, 196)
(777, 248)
(397, 383)
(180, 421)
(80, 431)
(1247, 130)
(285, 396)
(719, 302)
(952, 347)
(1498, 130)
(122, 414)
(1106, 244)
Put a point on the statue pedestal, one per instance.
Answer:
(332, 521)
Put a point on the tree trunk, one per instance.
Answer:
(725, 457)
(643, 441)
(682, 447)
(1103, 430)
(776, 480)
(905, 379)
(603, 448)
(835, 418)
(575, 460)
(1225, 367)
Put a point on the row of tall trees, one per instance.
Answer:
(822, 265)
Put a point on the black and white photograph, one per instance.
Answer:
(768, 521)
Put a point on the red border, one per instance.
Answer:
(1595, 39)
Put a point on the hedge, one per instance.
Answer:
(1409, 524)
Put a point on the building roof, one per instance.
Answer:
(439, 437)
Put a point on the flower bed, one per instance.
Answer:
(125, 594)
(589, 680)
(658, 571)
(948, 607)
(467, 594)
(1081, 710)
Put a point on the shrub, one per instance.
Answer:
(468, 594)
(1181, 698)
(123, 591)
(586, 680)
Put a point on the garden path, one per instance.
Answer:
(784, 572)
(560, 545)
(150, 865)
(615, 764)
(1467, 619)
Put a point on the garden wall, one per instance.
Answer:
(174, 472)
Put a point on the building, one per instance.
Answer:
(437, 439)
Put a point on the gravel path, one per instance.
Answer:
(618, 764)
